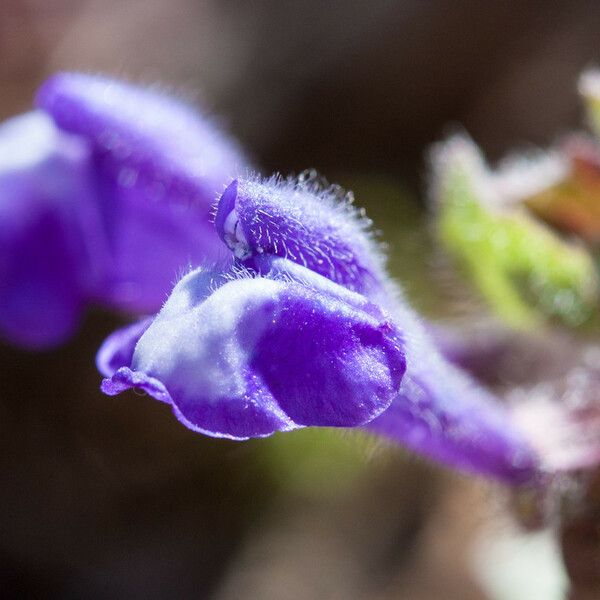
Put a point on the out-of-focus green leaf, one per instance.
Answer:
(524, 271)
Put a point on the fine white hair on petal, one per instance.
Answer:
(332, 196)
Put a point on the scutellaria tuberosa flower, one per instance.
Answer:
(281, 229)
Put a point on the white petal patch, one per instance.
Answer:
(234, 236)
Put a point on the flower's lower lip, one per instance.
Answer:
(125, 378)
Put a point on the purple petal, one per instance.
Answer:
(306, 225)
(117, 349)
(125, 378)
(258, 355)
(44, 266)
(159, 166)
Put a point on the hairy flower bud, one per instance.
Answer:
(304, 223)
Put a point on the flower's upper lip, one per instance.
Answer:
(225, 206)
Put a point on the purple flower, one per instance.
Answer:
(438, 411)
(242, 356)
(106, 195)
(433, 409)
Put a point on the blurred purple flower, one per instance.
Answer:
(105, 198)
(44, 189)
(295, 237)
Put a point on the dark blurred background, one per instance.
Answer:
(111, 497)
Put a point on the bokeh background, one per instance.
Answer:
(112, 498)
